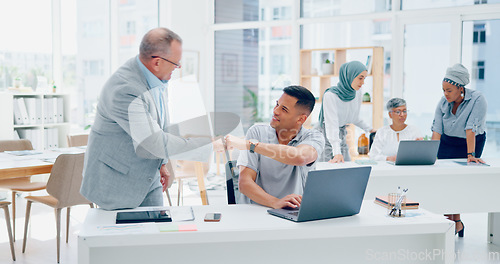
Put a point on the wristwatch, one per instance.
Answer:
(253, 144)
(473, 154)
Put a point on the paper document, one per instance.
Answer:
(182, 213)
(465, 163)
(122, 229)
(24, 152)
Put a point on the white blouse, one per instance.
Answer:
(338, 113)
(386, 142)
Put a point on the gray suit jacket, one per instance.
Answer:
(127, 145)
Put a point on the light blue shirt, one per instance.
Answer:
(157, 88)
(471, 114)
(276, 178)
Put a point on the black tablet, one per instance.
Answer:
(143, 216)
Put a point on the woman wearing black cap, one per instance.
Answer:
(460, 123)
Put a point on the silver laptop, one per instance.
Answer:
(328, 194)
(417, 152)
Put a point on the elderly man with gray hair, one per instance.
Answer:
(126, 162)
(386, 142)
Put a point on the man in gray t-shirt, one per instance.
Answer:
(278, 156)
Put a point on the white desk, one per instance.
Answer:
(248, 234)
(443, 188)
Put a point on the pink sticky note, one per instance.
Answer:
(187, 228)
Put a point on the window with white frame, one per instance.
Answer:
(26, 47)
(252, 66)
(86, 29)
(230, 11)
(422, 87)
(328, 8)
(479, 70)
(483, 72)
(479, 33)
(433, 4)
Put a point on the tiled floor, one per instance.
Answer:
(41, 244)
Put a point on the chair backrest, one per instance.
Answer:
(372, 138)
(188, 166)
(78, 140)
(66, 179)
(14, 145)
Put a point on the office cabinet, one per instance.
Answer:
(41, 118)
(314, 77)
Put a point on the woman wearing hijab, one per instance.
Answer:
(340, 107)
(460, 123)
(386, 143)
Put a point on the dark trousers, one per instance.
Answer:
(456, 148)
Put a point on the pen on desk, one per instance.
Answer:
(398, 204)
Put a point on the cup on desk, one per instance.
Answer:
(397, 205)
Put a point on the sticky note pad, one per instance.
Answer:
(169, 228)
(187, 228)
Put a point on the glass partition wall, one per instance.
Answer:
(480, 55)
(256, 45)
(425, 63)
(420, 40)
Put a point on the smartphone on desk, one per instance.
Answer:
(212, 217)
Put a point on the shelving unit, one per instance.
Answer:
(41, 124)
(310, 63)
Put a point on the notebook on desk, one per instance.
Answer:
(416, 152)
(328, 194)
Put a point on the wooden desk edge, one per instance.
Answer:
(25, 171)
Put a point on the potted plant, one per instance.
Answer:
(18, 82)
(367, 98)
(327, 67)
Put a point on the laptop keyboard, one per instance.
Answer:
(294, 213)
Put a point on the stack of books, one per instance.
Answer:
(384, 201)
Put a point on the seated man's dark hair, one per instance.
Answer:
(304, 97)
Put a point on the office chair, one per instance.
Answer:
(21, 184)
(78, 140)
(184, 169)
(5, 206)
(64, 191)
(372, 138)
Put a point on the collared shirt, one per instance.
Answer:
(471, 114)
(158, 89)
(386, 142)
(276, 178)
